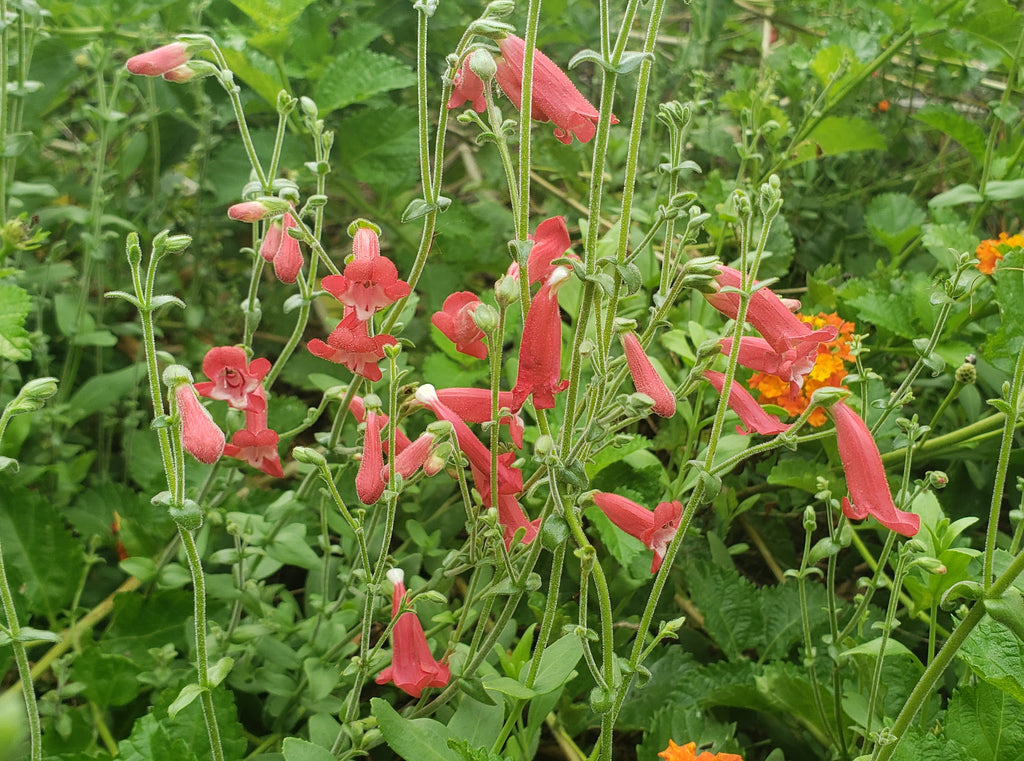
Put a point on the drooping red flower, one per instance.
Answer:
(200, 436)
(554, 97)
(159, 61)
(865, 475)
(512, 518)
(413, 667)
(413, 457)
(282, 249)
(467, 86)
(769, 315)
(473, 405)
(368, 284)
(233, 378)
(550, 241)
(655, 529)
(752, 414)
(455, 320)
(646, 378)
(258, 448)
(351, 345)
(540, 351)
(359, 413)
(370, 480)
(248, 211)
(510, 479)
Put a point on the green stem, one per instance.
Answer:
(28, 690)
(1013, 399)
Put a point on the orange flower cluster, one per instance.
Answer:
(829, 370)
(688, 752)
(989, 252)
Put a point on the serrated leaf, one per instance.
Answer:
(420, 739)
(14, 308)
(986, 721)
(996, 656)
(894, 219)
(730, 606)
(358, 75)
(110, 680)
(33, 536)
(951, 122)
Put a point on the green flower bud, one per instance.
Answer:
(308, 456)
(486, 318)
(506, 291)
(967, 374)
(176, 375)
(482, 64)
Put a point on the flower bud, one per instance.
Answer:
(486, 318)
(254, 211)
(966, 374)
(189, 71)
(482, 64)
(937, 479)
(308, 456)
(32, 396)
(506, 291)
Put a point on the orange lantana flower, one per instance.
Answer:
(989, 252)
(688, 752)
(829, 370)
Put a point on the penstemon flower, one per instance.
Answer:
(200, 436)
(258, 448)
(540, 352)
(654, 528)
(282, 249)
(646, 378)
(368, 284)
(512, 518)
(555, 98)
(159, 61)
(865, 475)
(413, 667)
(743, 404)
(473, 405)
(455, 321)
(233, 378)
(351, 345)
(467, 86)
(550, 241)
(370, 481)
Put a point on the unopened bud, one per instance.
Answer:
(482, 64)
(308, 456)
(827, 396)
(254, 211)
(176, 375)
(937, 479)
(486, 318)
(32, 396)
(810, 519)
(506, 290)
(196, 69)
(967, 374)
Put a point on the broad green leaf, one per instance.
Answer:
(671, 722)
(780, 609)
(951, 122)
(295, 749)
(252, 67)
(986, 721)
(420, 739)
(272, 14)
(155, 738)
(996, 656)
(894, 219)
(188, 693)
(110, 680)
(380, 146)
(14, 308)
(944, 241)
(557, 663)
(291, 548)
(357, 75)
(1009, 291)
(921, 745)
(956, 196)
(508, 686)
(1004, 190)
(835, 135)
(101, 392)
(476, 722)
(798, 472)
(34, 536)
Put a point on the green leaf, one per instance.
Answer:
(894, 219)
(477, 722)
(509, 686)
(155, 738)
(835, 135)
(34, 536)
(358, 75)
(986, 721)
(219, 671)
(1004, 190)
(272, 14)
(672, 722)
(951, 122)
(921, 745)
(14, 308)
(957, 196)
(942, 240)
(291, 548)
(295, 749)
(557, 664)
(420, 739)
(102, 392)
(798, 472)
(780, 609)
(110, 680)
(996, 655)
(730, 606)
(380, 146)
(188, 693)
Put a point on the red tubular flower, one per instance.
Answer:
(865, 475)
(370, 482)
(413, 457)
(550, 241)
(368, 284)
(359, 413)
(248, 211)
(510, 479)
(540, 351)
(646, 378)
(554, 97)
(233, 379)
(473, 405)
(455, 320)
(200, 436)
(413, 667)
(792, 365)
(752, 414)
(772, 318)
(467, 86)
(365, 243)
(351, 345)
(654, 528)
(159, 61)
(282, 249)
(258, 448)
(512, 518)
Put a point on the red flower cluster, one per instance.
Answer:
(368, 284)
